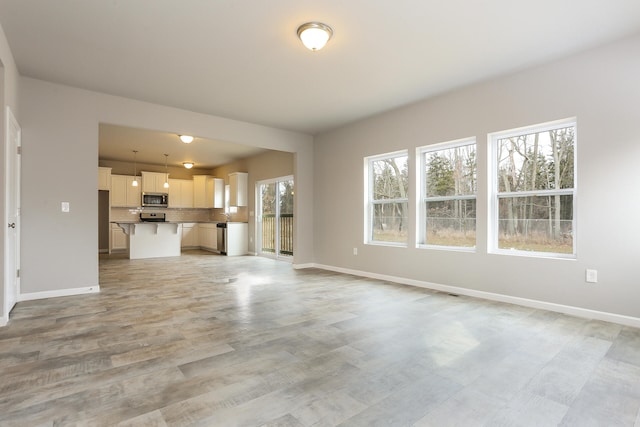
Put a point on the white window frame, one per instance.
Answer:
(495, 196)
(421, 152)
(370, 202)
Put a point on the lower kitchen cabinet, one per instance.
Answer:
(119, 240)
(190, 236)
(208, 238)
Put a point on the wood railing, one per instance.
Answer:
(269, 233)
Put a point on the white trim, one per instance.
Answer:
(306, 265)
(4, 320)
(525, 302)
(59, 293)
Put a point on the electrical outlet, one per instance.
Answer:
(591, 276)
(355, 251)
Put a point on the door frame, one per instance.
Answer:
(12, 199)
(258, 239)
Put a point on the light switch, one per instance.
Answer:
(65, 206)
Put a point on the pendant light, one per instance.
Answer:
(166, 172)
(135, 170)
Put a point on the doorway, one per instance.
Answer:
(275, 218)
(12, 214)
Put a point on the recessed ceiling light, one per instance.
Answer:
(186, 138)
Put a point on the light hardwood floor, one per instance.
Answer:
(214, 341)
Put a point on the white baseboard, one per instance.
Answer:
(525, 302)
(59, 293)
(307, 265)
(4, 320)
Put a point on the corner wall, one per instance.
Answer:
(600, 87)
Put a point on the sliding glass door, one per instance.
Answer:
(275, 219)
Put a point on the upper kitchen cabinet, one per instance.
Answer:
(180, 193)
(123, 193)
(104, 178)
(218, 193)
(153, 182)
(208, 192)
(201, 197)
(238, 182)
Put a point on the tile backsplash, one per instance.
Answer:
(181, 214)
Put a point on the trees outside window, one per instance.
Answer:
(448, 189)
(388, 186)
(534, 189)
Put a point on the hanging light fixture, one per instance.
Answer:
(314, 35)
(187, 139)
(166, 172)
(187, 165)
(135, 170)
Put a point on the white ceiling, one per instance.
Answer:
(118, 143)
(242, 60)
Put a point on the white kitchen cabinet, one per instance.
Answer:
(153, 182)
(190, 238)
(238, 182)
(202, 191)
(207, 235)
(104, 178)
(123, 193)
(180, 193)
(119, 240)
(218, 193)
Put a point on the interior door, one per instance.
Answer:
(12, 214)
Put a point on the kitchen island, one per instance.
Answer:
(152, 239)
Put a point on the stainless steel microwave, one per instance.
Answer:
(155, 200)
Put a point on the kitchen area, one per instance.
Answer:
(152, 210)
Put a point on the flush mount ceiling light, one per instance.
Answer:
(187, 165)
(314, 35)
(187, 139)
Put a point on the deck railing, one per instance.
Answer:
(269, 233)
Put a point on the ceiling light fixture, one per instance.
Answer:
(135, 171)
(188, 165)
(166, 172)
(314, 35)
(187, 139)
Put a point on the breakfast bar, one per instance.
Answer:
(152, 239)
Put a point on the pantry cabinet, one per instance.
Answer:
(123, 193)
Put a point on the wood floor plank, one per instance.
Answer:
(209, 340)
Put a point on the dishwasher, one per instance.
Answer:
(221, 228)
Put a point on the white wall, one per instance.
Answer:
(60, 158)
(9, 98)
(600, 87)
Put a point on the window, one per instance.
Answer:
(534, 190)
(387, 188)
(448, 193)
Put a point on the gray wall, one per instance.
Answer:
(60, 157)
(600, 87)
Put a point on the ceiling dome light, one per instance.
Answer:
(188, 165)
(314, 35)
(187, 139)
